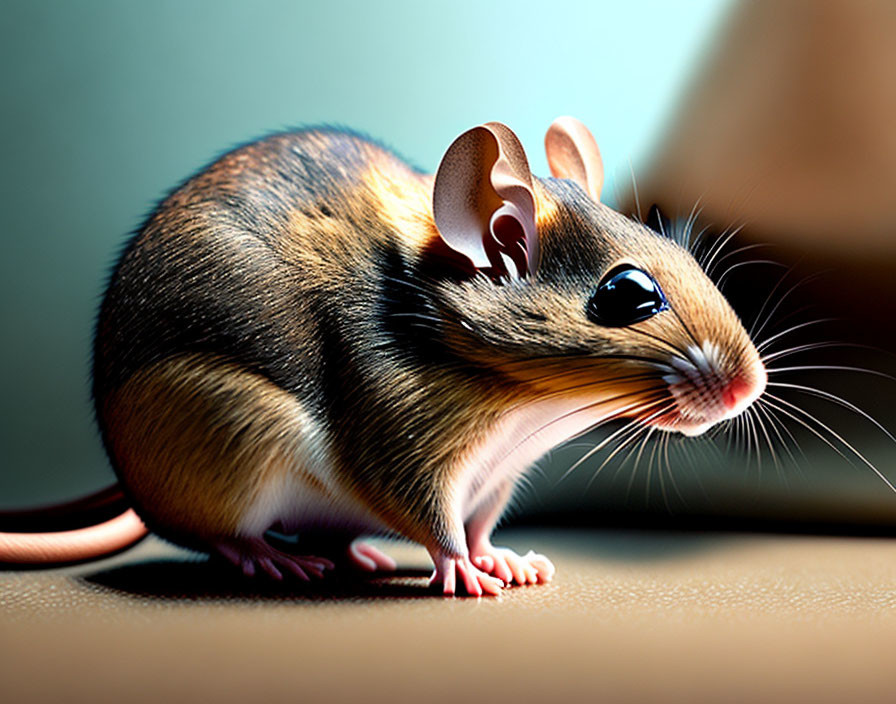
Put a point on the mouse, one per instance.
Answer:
(312, 337)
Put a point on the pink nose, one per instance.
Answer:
(737, 390)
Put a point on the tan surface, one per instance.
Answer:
(630, 617)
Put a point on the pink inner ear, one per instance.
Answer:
(508, 232)
(519, 206)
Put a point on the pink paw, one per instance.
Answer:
(473, 581)
(249, 554)
(511, 568)
(368, 558)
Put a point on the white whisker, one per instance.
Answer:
(774, 309)
(752, 262)
(831, 367)
(814, 346)
(833, 398)
(719, 246)
(775, 400)
(632, 426)
(635, 190)
(735, 252)
(765, 343)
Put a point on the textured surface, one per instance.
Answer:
(630, 617)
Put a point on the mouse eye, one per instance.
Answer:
(626, 295)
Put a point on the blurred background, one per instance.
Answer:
(771, 119)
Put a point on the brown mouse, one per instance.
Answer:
(310, 336)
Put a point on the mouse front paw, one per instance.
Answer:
(511, 568)
(457, 575)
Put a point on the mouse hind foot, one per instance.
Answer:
(366, 557)
(254, 554)
(346, 551)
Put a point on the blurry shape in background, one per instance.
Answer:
(790, 128)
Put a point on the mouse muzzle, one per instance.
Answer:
(710, 386)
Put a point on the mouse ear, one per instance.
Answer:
(573, 154)
(483, 202)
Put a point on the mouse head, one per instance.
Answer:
(566, 297)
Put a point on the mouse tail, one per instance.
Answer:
(85, 529)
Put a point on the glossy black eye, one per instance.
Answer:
(626, 295)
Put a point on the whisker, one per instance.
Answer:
(833, 398)
(773, 424)
(635, 189)
(689, 225)
(641, 394)
(654, 449)
(665, 441)
(694, 458)
(634, 423)
(730, 437)
(636, 433)
(771, 448)
(644, 443)
(752, 331)
(673, 349)
(639, 447)
(815, 346)
(770, 262)
(774, 400)
(780, 301)
(409, 284)
(735, 252)
(740, 439)
(772, 413)
(751, 425)
(562, 359)
(719, 246)
(765, 343)
(831, 367)
(420, 316)
(700, 239)
(602, 381)
(637, 406)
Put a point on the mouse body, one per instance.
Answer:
(312, 337)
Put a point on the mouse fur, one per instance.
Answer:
(292, 342)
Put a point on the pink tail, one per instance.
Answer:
(84, 529)
(72, 545)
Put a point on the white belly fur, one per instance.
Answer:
(293, 502)
(518, 439)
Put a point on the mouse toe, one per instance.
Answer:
(252, 555)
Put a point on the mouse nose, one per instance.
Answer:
(737, 390)
(741, 391)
